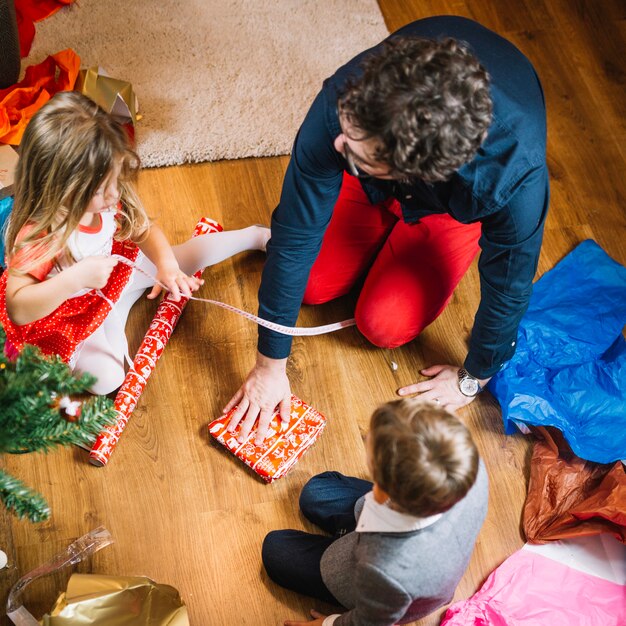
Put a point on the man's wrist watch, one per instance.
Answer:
(468, 385)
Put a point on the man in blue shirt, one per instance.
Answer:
(440, 131)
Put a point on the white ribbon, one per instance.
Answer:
(279, 328)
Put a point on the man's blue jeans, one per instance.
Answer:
(292, 557)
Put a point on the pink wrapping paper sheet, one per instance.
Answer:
(167, 315)
(532, 590)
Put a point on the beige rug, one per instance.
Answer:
(215, 79)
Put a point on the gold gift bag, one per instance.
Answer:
(98, 600)
(117, 601)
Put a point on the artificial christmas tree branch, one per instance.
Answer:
(21, 500)
(43, 405)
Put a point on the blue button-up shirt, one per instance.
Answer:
(505, 188)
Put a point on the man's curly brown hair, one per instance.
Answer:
(428, 103)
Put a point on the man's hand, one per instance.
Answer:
(318, 620)
(442, 388)
(265, 388)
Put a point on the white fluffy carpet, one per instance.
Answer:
(215, 79)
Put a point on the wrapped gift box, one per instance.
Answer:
(282, 447)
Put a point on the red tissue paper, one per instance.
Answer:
(27, 12)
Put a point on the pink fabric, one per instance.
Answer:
(532, 590)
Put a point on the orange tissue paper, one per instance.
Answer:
(19, 102)
(281, 449)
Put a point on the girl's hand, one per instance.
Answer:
(93, 272)
(176, 281)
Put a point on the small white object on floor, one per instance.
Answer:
(3, 560)
(394, 366)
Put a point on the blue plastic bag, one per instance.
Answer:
(6, 204)
(569, 369)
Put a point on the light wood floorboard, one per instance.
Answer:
(183, 511)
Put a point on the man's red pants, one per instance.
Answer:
(411, 270)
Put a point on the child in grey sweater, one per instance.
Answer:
(399, 546)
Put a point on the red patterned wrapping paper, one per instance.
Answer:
(167, 315)
(281, 449)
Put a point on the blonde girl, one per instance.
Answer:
(75, 210)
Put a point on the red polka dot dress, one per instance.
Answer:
(62, 331)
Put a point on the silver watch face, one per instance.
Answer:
(468, 386)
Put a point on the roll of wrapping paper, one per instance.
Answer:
(167, 315)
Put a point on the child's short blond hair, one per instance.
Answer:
(422, 456)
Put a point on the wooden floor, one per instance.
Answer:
(183, 511)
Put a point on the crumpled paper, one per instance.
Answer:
(30, 11)
(568, 496)
(76, 552)
(529, 589)
(19, 102)
(569, 367)
(115, 96)
(97, 600)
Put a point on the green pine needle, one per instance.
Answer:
(21, 500)
(30, 420)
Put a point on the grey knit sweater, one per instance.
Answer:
(384, 578)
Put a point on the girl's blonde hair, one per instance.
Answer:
(69, 148)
